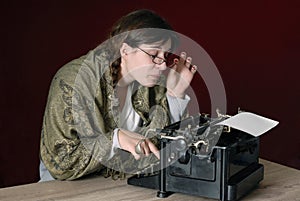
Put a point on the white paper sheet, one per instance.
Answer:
(250, 123)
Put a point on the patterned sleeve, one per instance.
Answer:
(75, 140)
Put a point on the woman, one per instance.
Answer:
(108, 103)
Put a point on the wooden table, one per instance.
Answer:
(280, 183)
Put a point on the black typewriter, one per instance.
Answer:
(200, 157)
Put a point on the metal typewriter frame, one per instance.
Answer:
(223, 182)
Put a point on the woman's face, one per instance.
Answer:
(137, 63)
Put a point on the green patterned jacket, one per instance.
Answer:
(81, 114)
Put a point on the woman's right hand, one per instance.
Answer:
(128, 141)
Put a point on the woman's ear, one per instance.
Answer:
(125, 49)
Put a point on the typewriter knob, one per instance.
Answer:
(185, 158)
(181, 145)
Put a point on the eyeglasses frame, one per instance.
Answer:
(154, 57)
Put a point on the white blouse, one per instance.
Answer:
(129, 119)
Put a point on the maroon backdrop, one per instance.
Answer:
(254, 44)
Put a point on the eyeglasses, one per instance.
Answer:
(158, 60)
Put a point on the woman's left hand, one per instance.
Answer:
(180, 76)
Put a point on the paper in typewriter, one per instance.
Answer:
(250, 123)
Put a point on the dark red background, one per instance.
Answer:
(254, 44)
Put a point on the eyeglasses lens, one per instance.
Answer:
(170, 59)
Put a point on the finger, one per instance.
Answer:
(136, 156)
(173, 71)
(146, 147)
(154, 150)
(194, 69)
(188, 62)
(183, 56)
(138, 150)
